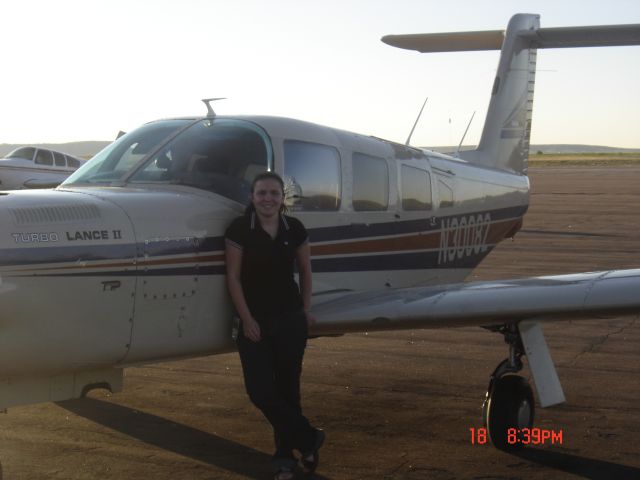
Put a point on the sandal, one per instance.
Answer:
(283, 473)
(310, 460)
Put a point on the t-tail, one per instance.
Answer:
(504, 143)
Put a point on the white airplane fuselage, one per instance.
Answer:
(97, 276)
(17, 173)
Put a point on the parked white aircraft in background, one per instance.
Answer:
(35, 167)
(124, 262)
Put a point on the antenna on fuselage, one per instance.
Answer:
(207, 102)
(416, 122)
(464, 135)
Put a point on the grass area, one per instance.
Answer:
(595, 159)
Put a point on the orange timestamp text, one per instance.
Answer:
(521, 436)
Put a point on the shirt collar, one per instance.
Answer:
(254, 221)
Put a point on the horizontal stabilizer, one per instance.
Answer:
(562, 37)
(595, 36)
(447, 42)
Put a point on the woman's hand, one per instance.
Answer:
(251, 329)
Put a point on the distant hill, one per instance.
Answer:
(559, 148)
(580, 149)
(89, 149)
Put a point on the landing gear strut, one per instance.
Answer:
(508, 407)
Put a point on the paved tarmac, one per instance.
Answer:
(395, 405)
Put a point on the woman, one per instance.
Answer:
(261, 249)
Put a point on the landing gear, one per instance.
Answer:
(509, 406)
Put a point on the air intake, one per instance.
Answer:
(57, 214)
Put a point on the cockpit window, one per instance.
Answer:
(219, 155)
(117, 160)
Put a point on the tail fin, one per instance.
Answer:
(504, 142)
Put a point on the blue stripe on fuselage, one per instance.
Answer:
(73, 254)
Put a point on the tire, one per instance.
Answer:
(509, 405)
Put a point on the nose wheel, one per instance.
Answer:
(508, 409)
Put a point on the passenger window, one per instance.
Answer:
(59, 159)
(416, 188)
(446, 194)
(222, 156)
(44, 157)
(370, 183)
(312, 176)
(25, 153)
(72, 162)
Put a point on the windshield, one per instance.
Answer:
(116, 160)
(24, 152)
(220, 155)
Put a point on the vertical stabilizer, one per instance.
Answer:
(504, 143)
(507, 129)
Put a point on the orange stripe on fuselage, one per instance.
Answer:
(421, 241)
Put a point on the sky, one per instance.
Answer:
(76, 70)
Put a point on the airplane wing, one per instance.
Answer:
(490, 303)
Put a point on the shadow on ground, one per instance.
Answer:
(175, 437)
(576, 465)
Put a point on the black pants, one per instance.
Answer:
(272, 369)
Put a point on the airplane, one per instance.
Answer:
(123, 263)
(36, 167)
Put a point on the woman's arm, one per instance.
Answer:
(250, 327)
(303, 257)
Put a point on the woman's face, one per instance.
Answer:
(267, 197)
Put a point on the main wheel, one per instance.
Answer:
(507, 410)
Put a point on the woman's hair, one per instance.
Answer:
(266, 176)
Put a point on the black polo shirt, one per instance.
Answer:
(268, 264)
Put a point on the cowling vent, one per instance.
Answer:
(55, 214)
